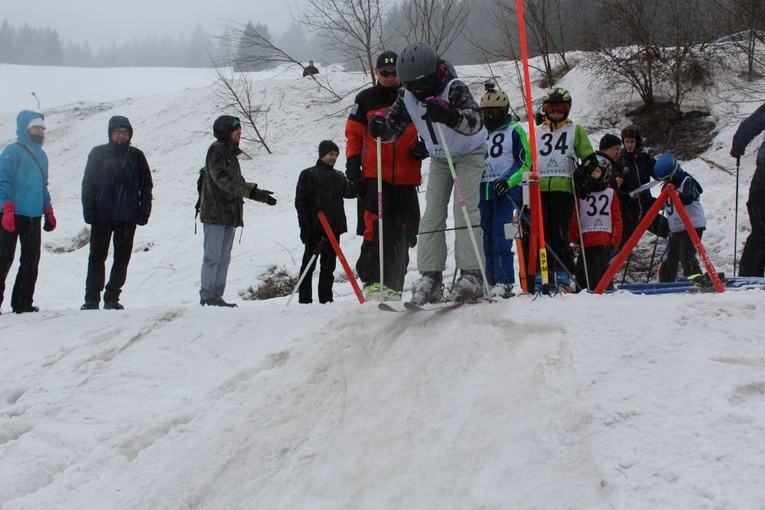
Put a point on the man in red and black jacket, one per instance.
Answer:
(401, 163)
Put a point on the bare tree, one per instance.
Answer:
(351, 28)
(545, 30)
(437, 22)
(236, 91)
(655, 47)
(262, 53)
(746, 28)
(254, 49)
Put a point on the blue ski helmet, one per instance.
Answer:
(666, 167)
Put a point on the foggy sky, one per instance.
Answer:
(100, 22)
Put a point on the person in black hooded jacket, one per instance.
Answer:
(221, 208)
(116, 196)
(321, 188)
(637, 169)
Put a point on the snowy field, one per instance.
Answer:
(567, 402)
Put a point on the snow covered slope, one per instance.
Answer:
(595, 402)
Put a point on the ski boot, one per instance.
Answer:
(468, 287)
(428, 289)
(502, 291)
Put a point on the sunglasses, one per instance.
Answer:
(387, 74)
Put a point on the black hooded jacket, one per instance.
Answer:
(117, 184)
(322, 188)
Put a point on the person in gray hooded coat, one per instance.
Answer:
(221, 207)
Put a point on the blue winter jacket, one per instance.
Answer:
(22, 180)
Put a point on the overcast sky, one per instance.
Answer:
(100, 22)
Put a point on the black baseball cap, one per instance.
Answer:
(387, 60)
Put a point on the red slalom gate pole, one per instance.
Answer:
(696, 240)
(339, 252)
(537, 232)
(668, 193)
(632, 241)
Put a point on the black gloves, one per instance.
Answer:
(89, 219)
(501, 187)
(442, 112)
(142, 219)
(262, 195)
(376, 126)
(353, 174)
(419, 151)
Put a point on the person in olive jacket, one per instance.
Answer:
(222, 207)
(116, 196)
(321, 188)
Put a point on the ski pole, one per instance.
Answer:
(464, 208)
(316, 252)
(626, 267)
(579, 227)
(735, 216)
(380, 214)
(655, 244)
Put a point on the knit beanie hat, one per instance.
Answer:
(327, 146)
(609, 141)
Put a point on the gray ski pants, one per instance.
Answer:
(219, 240)
(431, 248)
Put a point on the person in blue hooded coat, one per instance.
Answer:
(116, 196)
(25, 200)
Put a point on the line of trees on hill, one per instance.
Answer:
(353, 32)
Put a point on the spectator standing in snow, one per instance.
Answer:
(116, 196)
(401, 162)
(600, 219)
(508, 156)
(753, 257)
(681, 249)
(561, 145)
(222, 207)
(25, 199)
(310, 69)
(637, 169)
(432, 95)
(321, 188)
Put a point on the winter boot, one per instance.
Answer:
(371, 291)
(113, 305)
(468, 287)
(90, 305)
(429, 288)
(502, 290)
(390, 294)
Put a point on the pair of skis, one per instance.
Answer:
(435, 307)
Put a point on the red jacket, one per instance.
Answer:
(398, 166)
(589, 205)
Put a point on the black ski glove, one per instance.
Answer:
(376, 126)
(142, 219)
(501, 187)
(419, 151)
(353, 174)
(442, 112)
(262, 195)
